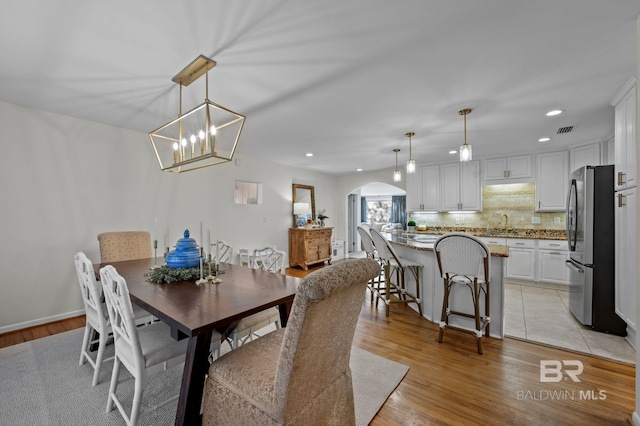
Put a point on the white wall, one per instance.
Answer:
(64, 180)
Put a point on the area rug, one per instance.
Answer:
(42, 384)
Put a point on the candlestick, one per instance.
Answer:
(208, 246)
(155, 254)
(201, 280)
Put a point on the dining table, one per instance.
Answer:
(194, 311)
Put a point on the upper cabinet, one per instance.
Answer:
(587, 155)
(460, 186)
(552, 181)
(423, 189)
(625, 136)
(509, 168)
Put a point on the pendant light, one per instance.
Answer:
(411, 165)
(397, 176)
(465, 149)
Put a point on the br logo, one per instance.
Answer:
(554, 371)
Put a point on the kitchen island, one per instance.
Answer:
(419, 248)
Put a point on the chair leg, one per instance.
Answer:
(101, 347)
(114, 383)
(85, 343)
(137, 398)
(445, 307)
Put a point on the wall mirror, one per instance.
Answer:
(304, 204)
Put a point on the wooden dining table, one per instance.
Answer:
(194, 311)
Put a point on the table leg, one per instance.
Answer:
(196, 366)
(285, 310)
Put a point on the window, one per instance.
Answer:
(378, 209)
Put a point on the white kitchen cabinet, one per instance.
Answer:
(460, 186)
(586, 155)
(522, 259)
(551, 256)
(625, 136)
(552, 181)
(414, 191)
(625, 265)
(509, 168)
(423, 189)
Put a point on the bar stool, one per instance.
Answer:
(461, 258)
(392, 262)
(374, 284)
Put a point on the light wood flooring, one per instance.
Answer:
(450, 384)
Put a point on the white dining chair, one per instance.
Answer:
(222, 252)
(143, 351)
(267, 259)
(97, 326)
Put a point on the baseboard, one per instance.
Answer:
(40, 321)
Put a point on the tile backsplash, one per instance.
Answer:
(516, 200)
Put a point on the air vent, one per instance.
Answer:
(567, 129)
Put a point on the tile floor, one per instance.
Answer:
(542, 315)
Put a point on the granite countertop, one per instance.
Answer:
(534, 234)
(426, 244)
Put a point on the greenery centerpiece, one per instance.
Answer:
(165, 274)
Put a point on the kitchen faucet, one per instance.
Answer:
(506, 222)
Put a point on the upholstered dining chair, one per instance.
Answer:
(463, 260)
(393, 263)
(125, 245)
(267, 259)
(367, 242)
(299, 374)
(143, 351)
(97, 318)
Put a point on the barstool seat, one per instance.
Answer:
(464, 259)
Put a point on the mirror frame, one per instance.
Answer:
(310, 188)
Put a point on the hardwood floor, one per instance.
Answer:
(450, 384)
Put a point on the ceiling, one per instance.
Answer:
(342, 79)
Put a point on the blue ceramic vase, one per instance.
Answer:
(185, 255)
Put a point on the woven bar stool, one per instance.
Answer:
(393, 263)
(461, 258)
(375, 284)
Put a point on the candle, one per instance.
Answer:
(201, 235)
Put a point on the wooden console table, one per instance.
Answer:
(308, 246)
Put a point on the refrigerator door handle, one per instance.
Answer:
(572, 265)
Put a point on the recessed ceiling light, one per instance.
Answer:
(453, 152)
(309, 154)
(358, 170)
(554, 112)
(545, 139)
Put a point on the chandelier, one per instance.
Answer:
(203, 136)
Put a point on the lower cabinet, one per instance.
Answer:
(522, 259)
(550, 259)
(309, 245)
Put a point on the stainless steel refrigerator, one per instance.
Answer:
(591, 237)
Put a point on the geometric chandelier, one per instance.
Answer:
(203, 136)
